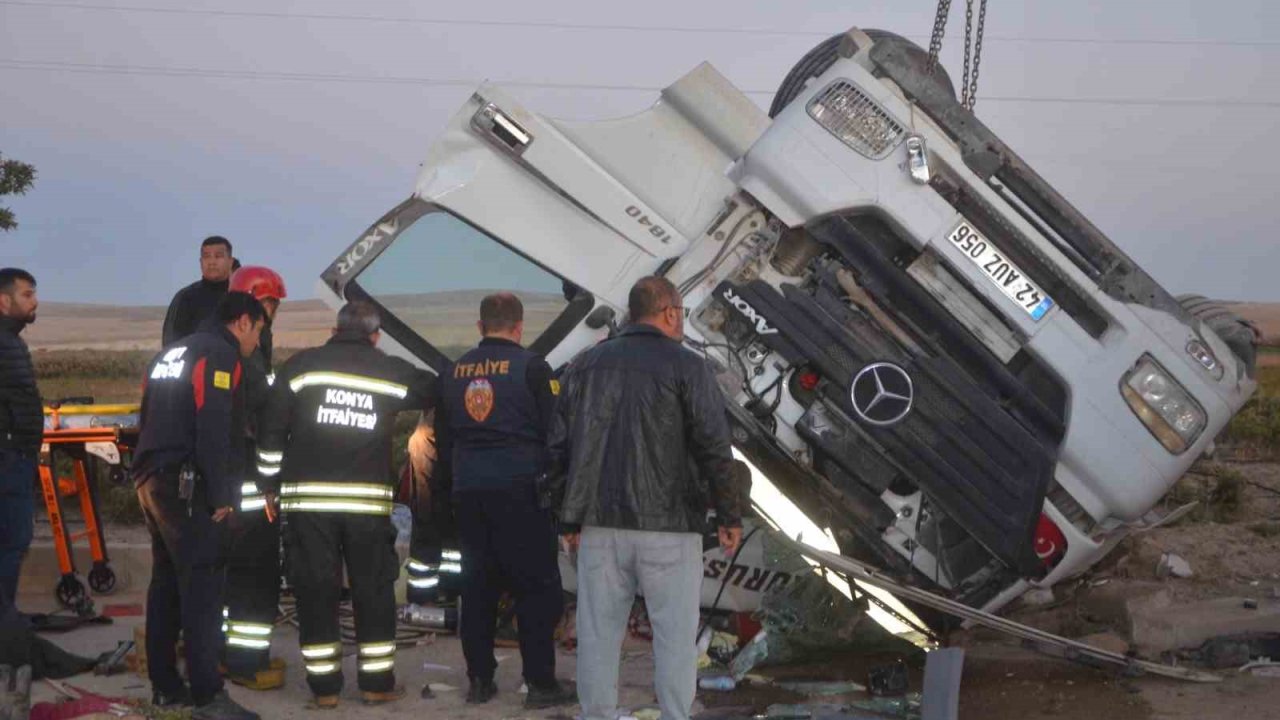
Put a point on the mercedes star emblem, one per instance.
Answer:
(882, 393)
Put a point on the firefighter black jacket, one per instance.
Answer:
(193, 410)
(330, 420)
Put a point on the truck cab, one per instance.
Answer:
(921, 344)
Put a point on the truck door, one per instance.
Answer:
(565, 214)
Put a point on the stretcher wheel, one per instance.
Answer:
(117, 476)
(70, 592)
(102, 579)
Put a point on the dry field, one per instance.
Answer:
(449, 318)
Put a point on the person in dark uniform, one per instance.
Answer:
(326, 440)
(195, 303)
(253, 563)
(188, 468)
(491, 427)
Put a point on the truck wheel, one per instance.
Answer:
(1239, 334)
(820, 59)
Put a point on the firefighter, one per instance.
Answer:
(491, 426)
(325, 447)
(188, 471)
(253, 564)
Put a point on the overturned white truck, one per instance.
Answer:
(922, 344)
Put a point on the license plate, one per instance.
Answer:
(1001, 271)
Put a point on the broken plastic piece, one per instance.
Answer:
(1172, 564)
(751, 655)
(722, 683)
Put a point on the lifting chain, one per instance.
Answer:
(972, 47)
(972, 50)
(939, 27)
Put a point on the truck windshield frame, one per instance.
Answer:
(426, 269)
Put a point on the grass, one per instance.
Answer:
(108, 376)
(1217, 487)
(1254, 433)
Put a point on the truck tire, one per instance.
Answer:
(820, 59)
(1239, 334)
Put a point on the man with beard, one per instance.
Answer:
(21, 425)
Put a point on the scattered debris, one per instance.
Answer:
(722, 683)
(1037, 638)
(751, 655)
(113, 663)
(888, 680)
(907, 706)
(1175, 565)
(15, 692)
(812, 688)
(1038, 597)
(123, 610)
(819, 712)
(1233, 651)
(1263, 667)
(1107, 641)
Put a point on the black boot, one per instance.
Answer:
(223, 708)
(180, 698)
(559, 692)
(481, 691)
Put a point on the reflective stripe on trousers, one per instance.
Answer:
(363, 498)
(377, 657)
(322, 659)
(250, 499)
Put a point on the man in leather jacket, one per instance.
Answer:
(21, 425)
(633, 412)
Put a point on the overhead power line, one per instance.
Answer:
(265, 75)
(615, 27)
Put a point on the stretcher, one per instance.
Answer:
(86, 434)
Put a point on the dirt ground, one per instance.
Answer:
(1233, 551)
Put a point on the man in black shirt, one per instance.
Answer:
(21, 426)
(196, 302)
(189, 468)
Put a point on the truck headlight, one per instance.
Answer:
(1164, 406)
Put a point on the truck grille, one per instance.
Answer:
(856, 120)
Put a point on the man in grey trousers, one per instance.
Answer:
(640, 452)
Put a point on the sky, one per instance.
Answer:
(291, 126)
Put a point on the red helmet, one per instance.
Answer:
(261, 282)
